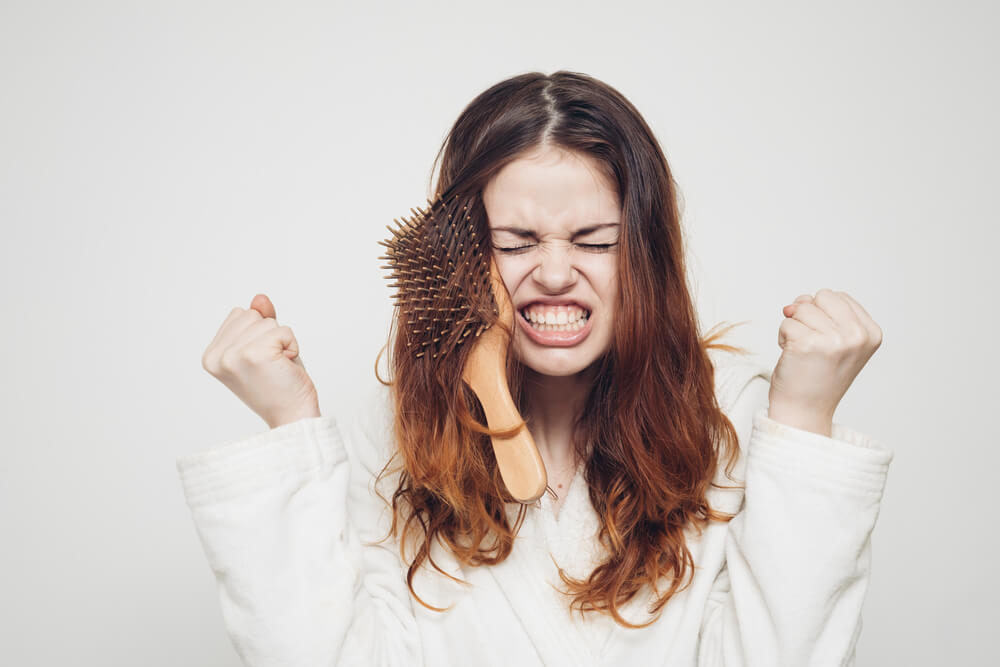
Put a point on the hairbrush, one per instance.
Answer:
(450, 291)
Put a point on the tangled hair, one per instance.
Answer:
(652, 433)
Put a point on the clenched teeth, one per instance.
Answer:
(555, 318)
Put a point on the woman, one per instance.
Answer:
(704, 511)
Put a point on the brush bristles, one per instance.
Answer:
(442, 277)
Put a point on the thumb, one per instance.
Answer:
(263, 306)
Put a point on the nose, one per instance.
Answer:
(555, 271)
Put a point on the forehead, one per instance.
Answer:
(551, 190)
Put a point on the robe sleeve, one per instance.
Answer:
(283, 517)
(798, 553)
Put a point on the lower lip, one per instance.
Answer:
(555, 338)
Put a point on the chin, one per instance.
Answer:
(556, 362)
(556, 371)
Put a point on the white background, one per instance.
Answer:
(161, 163)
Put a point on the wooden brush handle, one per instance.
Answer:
(485, 371)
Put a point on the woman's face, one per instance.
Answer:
(555, 221)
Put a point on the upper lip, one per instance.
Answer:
(556, 302)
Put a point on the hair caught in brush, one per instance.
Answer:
(651, 435)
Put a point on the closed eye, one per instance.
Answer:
(590, 247)
(597, 247)
(515, 249)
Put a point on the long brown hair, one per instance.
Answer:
(652, 433)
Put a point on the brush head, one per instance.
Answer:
(440, 261)
(450, 290)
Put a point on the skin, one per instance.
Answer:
(551, 194)
(826, 339)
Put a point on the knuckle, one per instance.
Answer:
(230, 358)
(247, 353)
(856, 336)
(208, 361)
(840, 340)
(807, 345)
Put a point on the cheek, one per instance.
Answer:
(613, 299)
(609, 290)
(511, 271)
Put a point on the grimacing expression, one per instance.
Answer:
(555, 222)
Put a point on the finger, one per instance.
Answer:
(838, 310)
(863, 316)
(811, 316)
(263, 326)
(232, 332)
(233, 314)
(789, 310)
(791, 331)
(263, 306)
(292, 347)
(272, 339)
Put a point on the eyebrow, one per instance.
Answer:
(525, 233)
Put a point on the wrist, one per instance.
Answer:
(806, 420)
(306, 413)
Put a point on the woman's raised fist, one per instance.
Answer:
(259, 361)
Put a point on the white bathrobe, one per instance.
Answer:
(287, 518)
